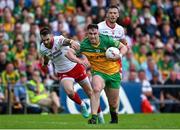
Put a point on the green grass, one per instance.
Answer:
(67, 121)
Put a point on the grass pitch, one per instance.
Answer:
(68, 121)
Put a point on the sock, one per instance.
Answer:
(114, 115)
(99, 109)
(76, 99)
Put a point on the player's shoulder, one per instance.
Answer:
(84, 42)
(119, 27)
(101, 24)
(58, 39)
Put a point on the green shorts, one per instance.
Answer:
(111, 81)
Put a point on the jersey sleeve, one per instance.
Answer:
(113, 43)
(122, 33)
(60, 40)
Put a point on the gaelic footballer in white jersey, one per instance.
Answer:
(117, 32)
(57, 55)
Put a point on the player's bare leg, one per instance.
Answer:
(68, 87)
(86, 85)
(113, 99)
(98, 85)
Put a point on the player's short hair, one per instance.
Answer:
(92, 26)
(45, 31)
(112, 7)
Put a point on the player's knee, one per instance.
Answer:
(96, 89)
(113, 103)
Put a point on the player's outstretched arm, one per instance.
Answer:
(73, 44)
(71, 55)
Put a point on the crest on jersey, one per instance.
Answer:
(60, 40)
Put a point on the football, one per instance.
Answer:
(112, 52)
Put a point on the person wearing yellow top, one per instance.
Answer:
(9, 76)
(105, 72)
(38, 95)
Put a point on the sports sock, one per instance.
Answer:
(99, 109)
(76, 99)
(114, 115)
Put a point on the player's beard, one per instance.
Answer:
(112, 20)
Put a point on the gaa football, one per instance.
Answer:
(112, 52)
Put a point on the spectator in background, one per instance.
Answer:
(3, 61)
(38, 94)
(175, 20)
(101, 15)
(39, 16)
(127, 60)
(34, 30)
(24, 15)
(9, 76)
(18, 8)
(158, 53)
(157, 92)
(10, 56)
(155, 78)
(9, 20)
(7, 3)
(62, 21)
(28, 20)
(172, 94)
(149, 66)
(18, 28)
(166, 32)
(72, 27)
(80, 33)
(147, 94)
(165, 65)
(29, 70)
(3, 99)
(132, 77)
(20, 93)
(148, 27)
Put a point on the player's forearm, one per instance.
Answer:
(123, 49)
(124, 41)
(72, 57)
(46, 61)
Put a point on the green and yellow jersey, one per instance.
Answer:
(96, 55)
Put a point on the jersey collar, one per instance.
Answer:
(52, 42)
(109, 25)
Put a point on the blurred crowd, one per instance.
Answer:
(152, 30)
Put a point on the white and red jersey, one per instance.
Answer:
(117, 32)
(57, 55)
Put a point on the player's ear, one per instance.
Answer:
(118, 15)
